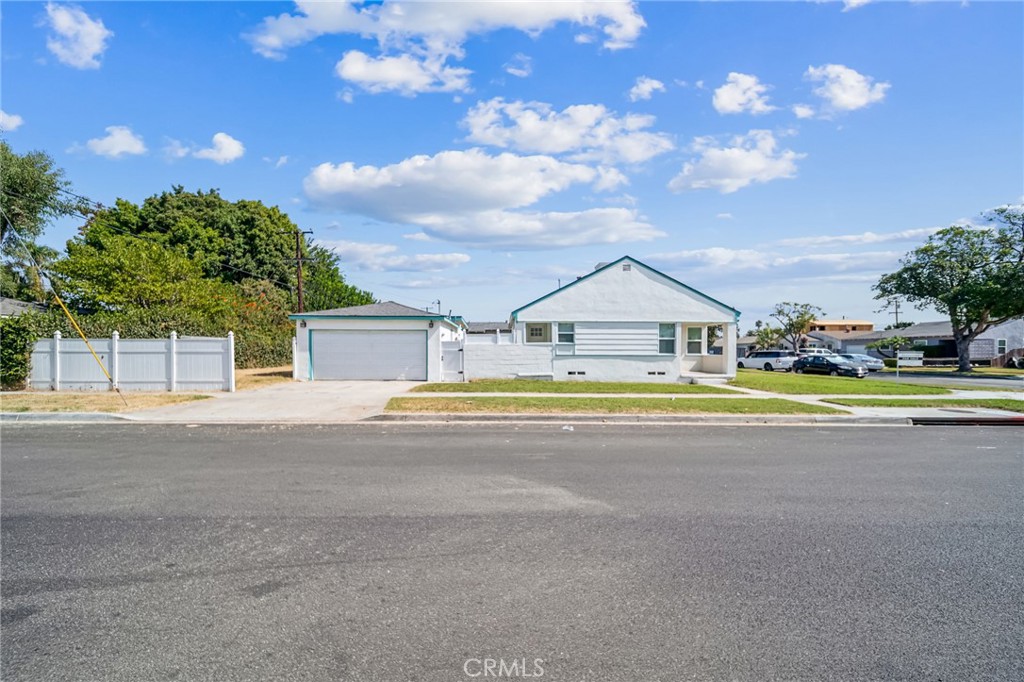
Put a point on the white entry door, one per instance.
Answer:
(369, 355)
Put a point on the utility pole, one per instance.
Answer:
(896, 311)
(298, 264)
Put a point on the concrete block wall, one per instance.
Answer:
(493, 361)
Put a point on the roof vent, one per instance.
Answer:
(626, 267)
(600, 265)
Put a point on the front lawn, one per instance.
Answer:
(988, 403)
(561, 405)
(975, 371)
(107, 401)
(817, 384)
(537, 386)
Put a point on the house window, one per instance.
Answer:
(538, 333)
(566, 332)
(694, 341)
(667, 338)
(1000, 346)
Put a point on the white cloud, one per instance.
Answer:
(742, 92)
(277, 163)
(225, 149)
(520, 66)
(724, 216)
(751, 158)
(850, 5)
(917, 234)
(77, 39)
(119, 141)
(644, 88)
(385, 257)
(761, 265)
(803, 111)
(472, 197)
(843, 89)
(430, 33)
(403, 74)
(10, 122)
(588, 132)
(174, 149)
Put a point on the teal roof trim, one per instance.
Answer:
(516, 312)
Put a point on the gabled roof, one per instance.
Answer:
(383, 310)
(606, 266)
(488, 327)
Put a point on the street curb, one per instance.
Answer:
(644, 418)
(59, 417)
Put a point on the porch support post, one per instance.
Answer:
(729, 348)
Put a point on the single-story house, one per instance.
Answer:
(994, 342)
(625, 321)
(744, 345)
(380, 341)
(838, 341)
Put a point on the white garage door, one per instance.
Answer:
(369, 355)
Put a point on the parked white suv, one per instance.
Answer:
(768, 360)
(804, 352)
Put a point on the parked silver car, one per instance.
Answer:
(873, 364)
(768, 360)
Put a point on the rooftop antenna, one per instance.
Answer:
(438, 304)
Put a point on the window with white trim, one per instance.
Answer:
(1000, 346)
(566, 332)
(667, 338)
(694, 340)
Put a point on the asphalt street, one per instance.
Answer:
(607, 552)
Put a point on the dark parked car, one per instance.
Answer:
(825, 364)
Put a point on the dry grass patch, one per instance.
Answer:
(91, 402)
(261, 377)
(559, 405)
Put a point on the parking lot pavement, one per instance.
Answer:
(305, 401)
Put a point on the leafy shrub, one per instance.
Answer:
(16, 340)
(889, 362)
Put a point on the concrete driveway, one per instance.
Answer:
(298, 401)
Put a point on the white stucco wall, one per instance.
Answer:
(440, 332)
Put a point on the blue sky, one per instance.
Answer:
(478, 153)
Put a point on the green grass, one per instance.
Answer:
(818, 384)
(990, 403)
(985, 371)
(537, 386)
(562, 405)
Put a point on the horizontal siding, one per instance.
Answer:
(616, 338)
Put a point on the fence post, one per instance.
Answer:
(231, 362)
(55, 361)
(114, 364)
(172, 359)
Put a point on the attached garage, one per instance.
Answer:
(378, 342)
(368, 355)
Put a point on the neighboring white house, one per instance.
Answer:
(995, 342)
(623, 322)
(380, 341)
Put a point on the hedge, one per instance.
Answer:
(16, 340)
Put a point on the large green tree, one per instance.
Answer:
(794, 320)
(324, 285)
(974, 276)
(33, 192)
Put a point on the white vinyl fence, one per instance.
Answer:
(172, 364)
